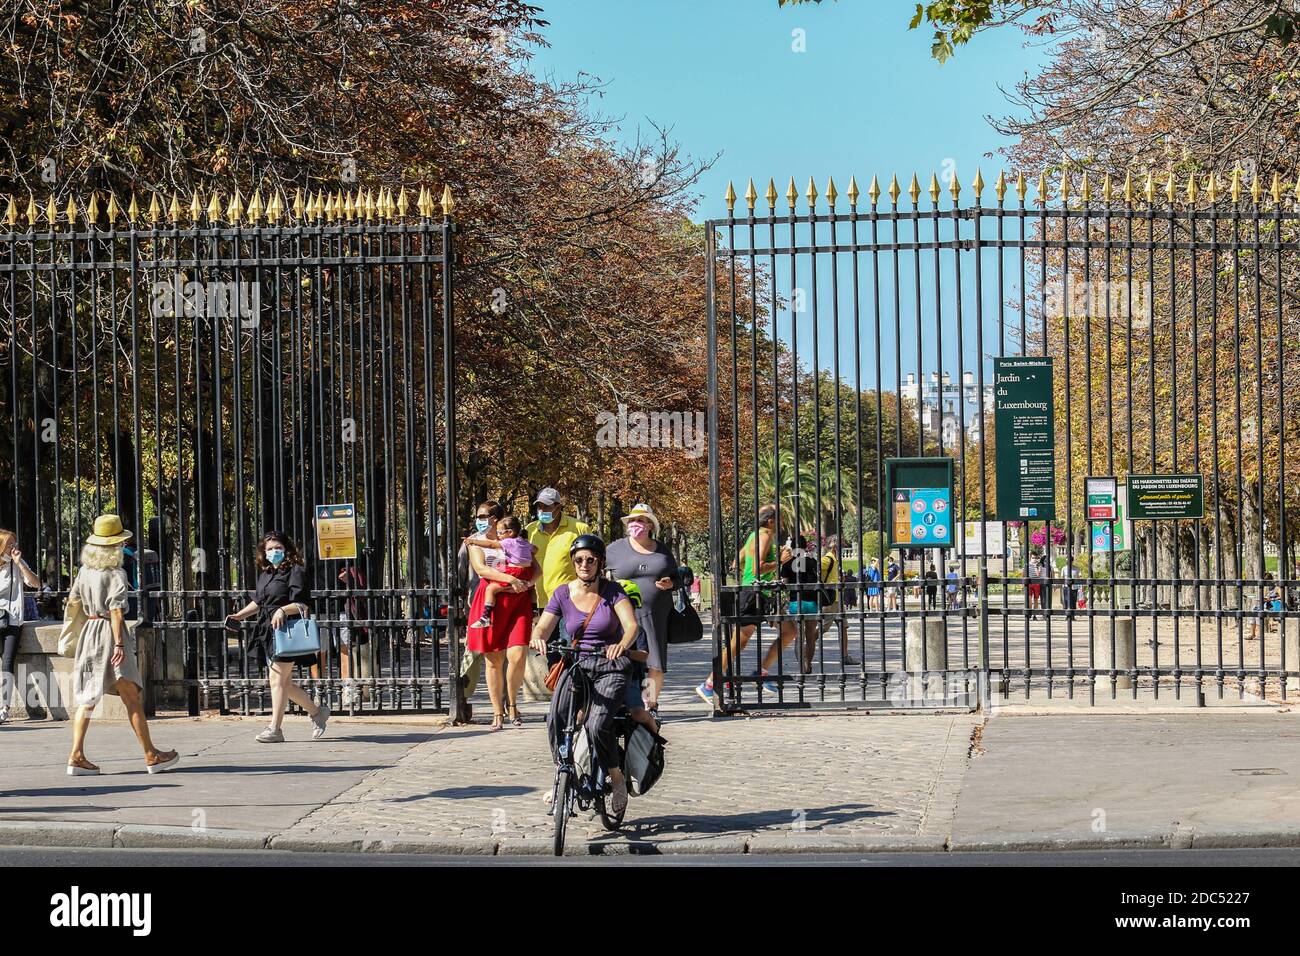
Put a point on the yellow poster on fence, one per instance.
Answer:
(336, 532)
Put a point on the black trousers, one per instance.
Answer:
(610, 679)
(10, 636)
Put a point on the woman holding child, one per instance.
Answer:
(501, 613)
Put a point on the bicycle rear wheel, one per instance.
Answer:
(560, 807)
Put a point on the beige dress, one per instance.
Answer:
(99, 592)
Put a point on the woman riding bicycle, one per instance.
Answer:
(599, 617)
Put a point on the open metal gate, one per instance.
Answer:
(214, 372)
(841, 338)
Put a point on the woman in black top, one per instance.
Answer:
(281, 592)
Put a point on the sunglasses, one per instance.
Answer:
(583, 562)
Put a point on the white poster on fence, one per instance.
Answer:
(979, 538)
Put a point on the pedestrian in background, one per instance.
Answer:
(281, 592)
(553, 533)
(651, 565)
(893, 571)
(14, 573)
(873, 593)
(931, 586)
(105, 660)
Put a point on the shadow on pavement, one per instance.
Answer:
(467, 793)
(709, 825)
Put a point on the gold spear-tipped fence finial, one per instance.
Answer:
(873, 190)
(1107, 188)
(424, 205)
(934, 188)
(70, 211)
(751, 194)
(771, 195)
(110, 212)
(914, 190)
(1149, 189)
(894, 190)
(1041, 188)
(1000, 187)
(276, 208)
(1128, 186)
(1212, 188)
(402, 204)
(196, 206)
(792, 194)
(352, 205)
(1234, 184)
(51, 211)
(254, 210)
(977, 184)
(1085, 188)
(811, 193)
(214, 207)
(32, 215)
(448, 204)
(1021, 187)
(11, 213)
(92, 210)
(174, 210)
(1065, 187)
(954, 187)
(1276, 189)
(1171, 191)
(831, 193)
(730, 197)
(155, 208)
(297, 204)
(854, 192)
(1193, 191)
(317, 210)
(1255, 188)
(133, 210)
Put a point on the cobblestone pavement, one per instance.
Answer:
(774, 780)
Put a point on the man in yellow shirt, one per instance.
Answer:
(552, 534)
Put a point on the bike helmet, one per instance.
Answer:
(589, 542)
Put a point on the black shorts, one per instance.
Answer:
(747, 606)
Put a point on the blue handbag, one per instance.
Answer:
(298, 638)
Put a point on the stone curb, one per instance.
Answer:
(137, 836)
(56, 833)
(134, 835)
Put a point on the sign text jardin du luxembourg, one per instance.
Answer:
(1024, 429)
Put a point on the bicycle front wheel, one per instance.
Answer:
(560, 807)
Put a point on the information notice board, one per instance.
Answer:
(1025, 432)
(920, 497)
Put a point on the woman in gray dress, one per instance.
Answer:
(105, 660)
(641, 558)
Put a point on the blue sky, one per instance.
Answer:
(864, 97)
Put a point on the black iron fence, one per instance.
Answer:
(842, 338)
(213, 371)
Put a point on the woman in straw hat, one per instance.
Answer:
(106, 661)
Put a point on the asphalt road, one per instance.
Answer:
(43, 856)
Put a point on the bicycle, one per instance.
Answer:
(575, 789)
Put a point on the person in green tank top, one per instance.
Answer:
(759, 560)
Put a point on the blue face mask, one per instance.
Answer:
(545, 516)
(481, 524)
(275, 556)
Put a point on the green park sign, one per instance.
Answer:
(1025, 433)
(1165, 497)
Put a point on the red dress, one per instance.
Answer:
(512, 618)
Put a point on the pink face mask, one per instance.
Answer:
(638, 529)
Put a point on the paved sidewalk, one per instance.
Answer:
(857, 782)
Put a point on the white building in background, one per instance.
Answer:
(942, 404)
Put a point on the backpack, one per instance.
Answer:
(644, 760)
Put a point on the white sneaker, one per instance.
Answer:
(319, 721)
(4, 715)
(270, 736)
